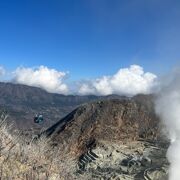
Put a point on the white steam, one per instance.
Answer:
(127, 81)
(168, 108)
(49, 79)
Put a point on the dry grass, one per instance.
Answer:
(31, 160)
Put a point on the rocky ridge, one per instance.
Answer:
(114, 139)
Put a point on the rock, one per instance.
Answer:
(111, 120)
(113, 139)
(126, 163)
(156, 173)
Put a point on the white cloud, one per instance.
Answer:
(2, 71)
(127, 81)
(49, 79)
(86, 89)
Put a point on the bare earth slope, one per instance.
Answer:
(114, 139)
(106, 120)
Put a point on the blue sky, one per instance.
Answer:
(90, 38)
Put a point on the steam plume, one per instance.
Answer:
(168, 108)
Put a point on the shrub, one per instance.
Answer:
(33, 159)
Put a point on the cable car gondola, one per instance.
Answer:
(38, 118)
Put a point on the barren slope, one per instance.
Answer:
(114, 139)
(109, 120)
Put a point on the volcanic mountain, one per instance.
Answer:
(116, 138)
(107, 120)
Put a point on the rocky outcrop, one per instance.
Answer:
(108, 120)
(114, 139)
(137, 160)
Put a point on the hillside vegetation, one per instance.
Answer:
(21, 158)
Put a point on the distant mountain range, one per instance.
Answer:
(24, 102)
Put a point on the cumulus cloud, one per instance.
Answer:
(43, 77)
(127, 81)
